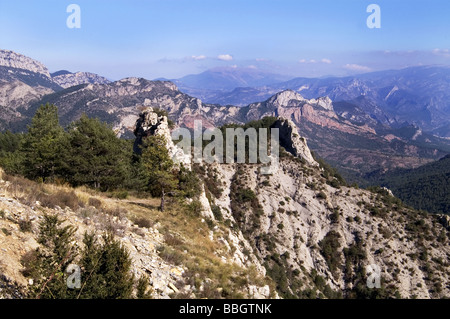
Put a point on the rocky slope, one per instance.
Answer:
(24, 81)
(163, 247)
(18, 61)
(309, 234)
(68, 79)
(298, 230)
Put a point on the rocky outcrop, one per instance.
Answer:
(286, 99)
(18, 61)
(150, 123)
(292, 141)
(71, 79)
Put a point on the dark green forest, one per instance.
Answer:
(426, 187)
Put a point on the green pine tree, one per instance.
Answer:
(43, 146)
(52, 258)
(10, 155)
(158, 168)
(106, 268)
(97, 157)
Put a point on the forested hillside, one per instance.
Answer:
(426, 187)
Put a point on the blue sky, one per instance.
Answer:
(172, 38)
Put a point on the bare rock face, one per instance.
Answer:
(286, 98)
(324, 102)
(72, 79)
(16, 94)
(19, 61)
(300, 220)
(292, 141)
(150, 123)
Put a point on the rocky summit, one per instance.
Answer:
(68, 79)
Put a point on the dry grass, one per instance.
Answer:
(186, 237)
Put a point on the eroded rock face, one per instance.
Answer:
(292, 141)
(71, 79)
(149, 123)
(286, 98)
(15, 60)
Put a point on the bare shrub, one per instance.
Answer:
(95, 202)
(62, 199)
(68, 199)
(116, 212)
(172, 240)
(143, 222)
(25, 225)
(29, 260)
(170, 255)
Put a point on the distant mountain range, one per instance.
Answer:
(359, 124)
(229, 78)
(413, 96)
(24, 81)
(67, 79)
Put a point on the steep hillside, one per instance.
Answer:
(426, 187)
(315, 236)
(298, 232)
(182, 255)
(24, 81)
(67, 79)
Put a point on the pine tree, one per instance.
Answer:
(158, 168)
(106, 268)
(97, 157)
(43, 147)
(53, 257)
(189, 183)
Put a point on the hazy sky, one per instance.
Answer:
(172, 38)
